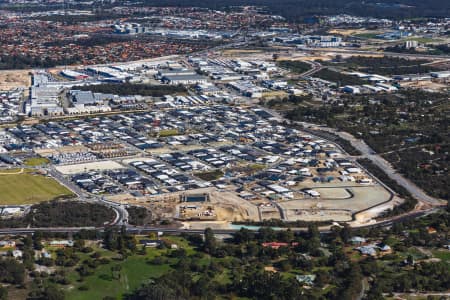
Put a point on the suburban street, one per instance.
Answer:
(121, 212)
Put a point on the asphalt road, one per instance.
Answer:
(121, 212)
(166, 230)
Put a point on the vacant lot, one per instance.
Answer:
(11, 79)
(363, 198)
(27, 188)
(90, 166)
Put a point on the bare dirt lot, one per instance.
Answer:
(319, 215)
(66, 149)
(334, 193)
(432, 86)
(363, 197)
(10, 79)
(91, 166)
(242, 209)
(335, 206)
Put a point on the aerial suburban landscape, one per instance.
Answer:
(235, 149)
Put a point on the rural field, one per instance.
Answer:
(23, 187)
(134, 271)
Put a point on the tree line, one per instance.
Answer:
(62, 214)
(126, 89)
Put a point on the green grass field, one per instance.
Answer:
(27, 188)
(168, 132)
(423, 40)
(36, 161)
(134, 272)
(442, 254)
(368, 35)
(210, 175)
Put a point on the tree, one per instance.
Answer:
(210, 244)
(285, 266)
(115, 271)
(322, 278)
(51, 292)
(12, 271)
(37, 241)
(110, 239)
(79, 244)
(345, 233)
(3, 293)
(313, 231)
(243, 236)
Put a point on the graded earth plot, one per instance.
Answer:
(336, 203)
(91, 166)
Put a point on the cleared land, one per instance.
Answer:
(335, 205)
(334, 193)
(11, 79)
(91, 166)
(28, 188)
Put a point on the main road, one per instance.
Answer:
(168, 230)
(121, 212)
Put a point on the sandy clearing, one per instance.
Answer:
(319, 215)
(333, 193)
(65, 149)
(91, 166)
(10, 79)
(364, 197)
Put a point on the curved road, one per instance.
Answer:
(379, 161)
(120, 210)
(369, 153)
(122, 213)
(144, 230)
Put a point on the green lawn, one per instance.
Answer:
(168, 132)
(415, 253)
(209, 175)
(423, 40)
(28, 188)
(257, 167)
(134, 272)
(368, 35)
(444, 255)
(36, 161)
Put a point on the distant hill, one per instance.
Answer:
(294, 9)
(297, 9)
